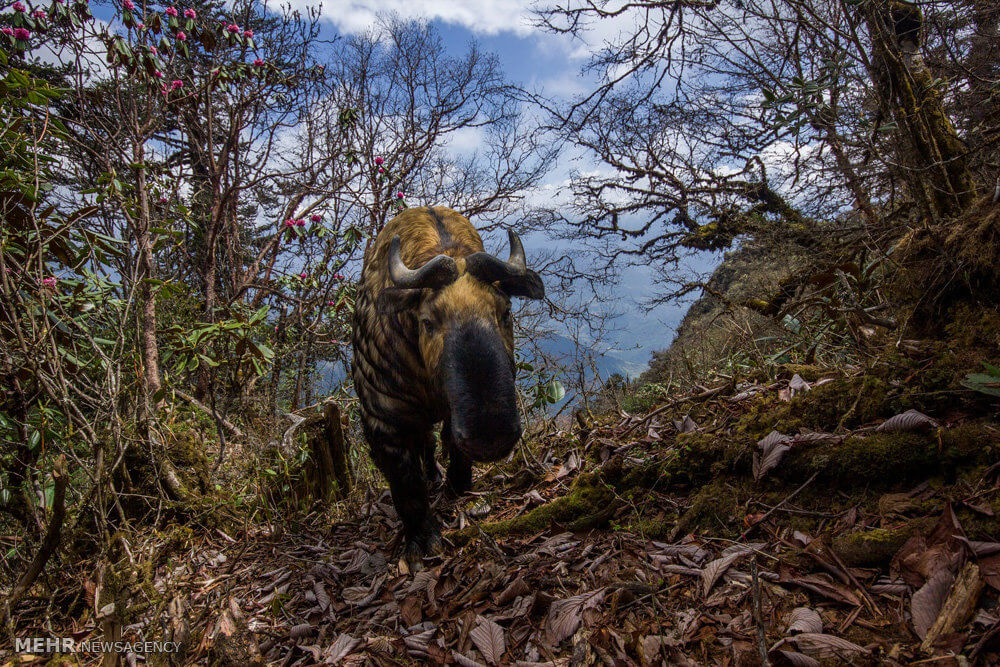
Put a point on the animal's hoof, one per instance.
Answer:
(424, 546)
(412, 560)
(435, 546)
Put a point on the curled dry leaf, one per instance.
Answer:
(534, 497)
(566, 615)
(981, 549)
(804, 619)
(516, 588)
(773, 447)
(813, 438)
(301, 630)
(926, 603)
(717, 568)
(824, 585)
(822, 646)
(418, 643)
(797, 385)
(322, 599)
(489, 639)
(341, 648)
(911, 420)
(686, 425)
(791, 658)
(465, 661)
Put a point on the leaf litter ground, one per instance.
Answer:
(770, 589)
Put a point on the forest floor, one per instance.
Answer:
(681, 536)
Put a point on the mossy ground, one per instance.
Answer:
(710, 473)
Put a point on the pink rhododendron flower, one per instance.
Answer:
(331, 303)
(129, 5)
(315, 217)
(22, 33)
(176, 83)
(171, 11)
(141, 26)
(18, 7)
(190, 13)
(381, 170)
(39, 14)
(300, 223)
(258, 63)
(232, 27)
(50, 281)
(289, 223)
(399, 195)
(379, 161)
(163, 200)
(7, 31)
(303, 275)
(248, 33)
(158, 74)
(181, 37)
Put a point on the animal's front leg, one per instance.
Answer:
(403, 468)
(459, 479)
(431, 471)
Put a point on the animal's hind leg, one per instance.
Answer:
(403, 468)
(459, 479)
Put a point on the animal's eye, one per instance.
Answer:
(427, 324)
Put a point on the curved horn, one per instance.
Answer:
(513, 276)
(517, 259)
(438, 272)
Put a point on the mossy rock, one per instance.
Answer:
(695, 460)
(847, 402)
(887, 460)
(876, 547)
(715, 509)
(651, 529)
(590, 503)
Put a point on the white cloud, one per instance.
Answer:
(465, 141)
(488, 17)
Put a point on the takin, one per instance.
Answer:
(433, 342)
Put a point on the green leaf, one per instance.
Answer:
(983, 383)
(555, 391)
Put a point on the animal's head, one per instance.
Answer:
(466, 339)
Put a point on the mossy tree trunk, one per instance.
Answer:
(931, 151)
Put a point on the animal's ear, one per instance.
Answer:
(391, 300)
(528, 285)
